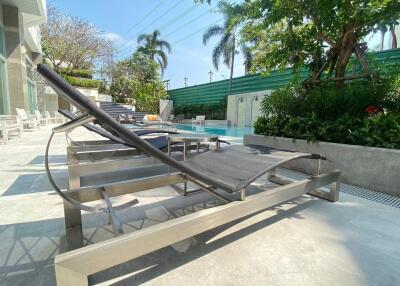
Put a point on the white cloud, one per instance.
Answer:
(113, 37)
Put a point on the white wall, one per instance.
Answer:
(104, 97)
(243, 109)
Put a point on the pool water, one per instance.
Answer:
(221, 130)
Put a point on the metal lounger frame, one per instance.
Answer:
(75, 266)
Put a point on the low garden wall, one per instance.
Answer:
(209, 122)
(377, 169)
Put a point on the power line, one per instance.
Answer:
(126, 51)
(166, 13)
(142, 19)
(149, 25)
(183, 14)
(186, 37)
(185, 25)
(196, 32)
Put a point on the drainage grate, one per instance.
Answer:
(360, 192)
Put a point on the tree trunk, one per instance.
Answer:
(382, 39)
(345, 51)
(394, 38)
(232, 63)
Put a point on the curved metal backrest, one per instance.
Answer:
(93, 128)
(73, 96)
(103, 132)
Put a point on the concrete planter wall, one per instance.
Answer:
(209, 122)
(377, 169)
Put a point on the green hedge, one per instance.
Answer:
(381, 130)
(82, 82)
(362, 112)
(77, 73)
(211, 111)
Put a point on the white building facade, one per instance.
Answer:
(20, 50)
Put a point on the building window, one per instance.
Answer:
(3, 88)
(3, 78)
(32, 97)
(2, 44)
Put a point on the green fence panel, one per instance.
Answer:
(213, 93)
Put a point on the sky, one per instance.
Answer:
(181, 22)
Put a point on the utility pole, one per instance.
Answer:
(211, 74)
(167, 84)
(186, 81)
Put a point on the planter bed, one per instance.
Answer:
(377, 169)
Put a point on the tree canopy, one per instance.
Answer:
(136, 79)
(153, 47)
(321, 34)
(71, 42)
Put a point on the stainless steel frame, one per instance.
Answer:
(73, 268)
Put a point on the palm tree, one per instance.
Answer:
(153, 46)
(226, 47)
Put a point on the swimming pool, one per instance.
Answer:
(221, 130)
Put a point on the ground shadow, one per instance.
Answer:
(36, 183)
(28, 249)
(53, 159)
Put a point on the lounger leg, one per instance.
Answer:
(5, 134)
(271, 174)
(73, 227)
(66, 277)
(185, 153)
(242, 195)
(116, 224)
(328, 179)
(332, 195)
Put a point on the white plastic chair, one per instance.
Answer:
(200, 119)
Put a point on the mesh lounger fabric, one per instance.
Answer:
(230, 169)
(159, 142)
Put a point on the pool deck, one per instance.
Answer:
(307, 241)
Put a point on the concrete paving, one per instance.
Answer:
(307, 241)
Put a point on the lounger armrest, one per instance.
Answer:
(316, 157)
(223, 141)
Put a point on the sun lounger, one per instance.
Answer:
(53, 119)
(230, 170)
(28, 121)
(114, 147)
(179, 118)
(156, 120)
(40, 118)
(9, 124)
(97, 150)
(200, 119)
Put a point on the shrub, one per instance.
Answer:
(211, 111)
(382, 130)
(82, 82)
(327, 101)
(77, 73)
(363, 112)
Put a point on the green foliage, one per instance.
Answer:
(136, 79)
(329, 102)
(328, 113)
(77, 73)
(382, 130)
(153, 47)
(147, 97)
(312, 32)
(82, 82)
(211, 111)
